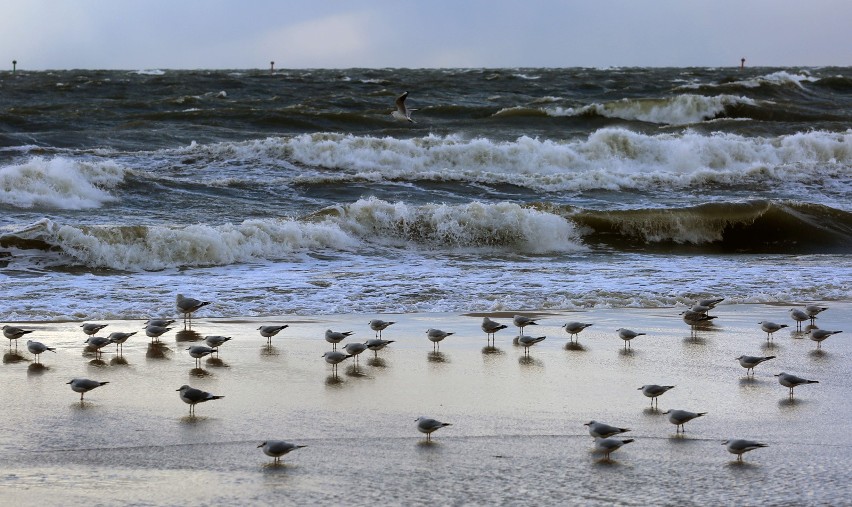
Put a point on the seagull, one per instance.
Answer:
(278, 448)
(159, 322)
(92, 329)
(187, 306)
(799, 316)
(335, 357)
(681, 417)
(710, 302)
(269, 331)
(379, 325)
(818, 335)
(608, 446)
(377, 344)
(354, 349)
(97, 343)
(216, 341)
(694, 318)
(335, 337)
(521, 322)
(574, 328)
(791, 381)
(627, 335)
(528, 341)
(199, 351)
(191, 396)
(13, 333)
(749, 362)
(770, 327)
(401, 112)
(699, 308)
(739, 447)
(814, 310)
(653, 391)
(36, 348)
(155, 332)
(84, 385)
(491, 327)
(435, 336)
(601, 430)
(427, 426)
(118, 338)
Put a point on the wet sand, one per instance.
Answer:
(517, 434)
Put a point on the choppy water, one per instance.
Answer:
(516, 188)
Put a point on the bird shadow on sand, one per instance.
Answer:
(268, 351)
(428, 445)
(215, 362)
(377, 362)
(437, 357)
(530, 362)
(741, 465)
(199, 373)
(575, 346)
(187, 335)
(194, 419)
(12, 357)
(118, 361)
(36, 369)
(491, 350)
(819, 354)
(157, 350)
(334, 381)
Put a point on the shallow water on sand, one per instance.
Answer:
(517, 433)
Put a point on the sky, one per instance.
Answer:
(245, 34)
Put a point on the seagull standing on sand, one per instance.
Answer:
(13, 333)
(269, 331)
(278, 448)
(377, 344)
(749, 362)
(192, 396)
(199, 351)
(818, 335)
(694, 319)
(187, 306)
(627, 335)
(770, 327)
(527, 341)
(159, 322)
(36, 348)
(335, 337)
(379, 325)
(574, 328)
(84, 385)
(355, 349)
(607, 446)
(791, 381)
(334, 358)
(799, 316)
(435, 336)
(601, 430)
(97, 343)
(427, 425)
(681, 417)
(491, 327)
(521, 322)
(814, 310)
(118, 338)
(653, 391)
(155, 332)
(216, 341)
(739, 447)
(401, 112)
(92, 329)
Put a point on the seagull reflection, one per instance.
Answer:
(377, 362)
(215, 362)
(12, 357)
(187, 335)
(334, 380)
(575, 346)
(157, 350)
(437, 357)
(353, 370)
(491, 349)
(530, 361)
(268, 351)
(36, 368)
(97, 362)
(199, 373)
(118, 361)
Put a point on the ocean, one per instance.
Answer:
(612, 196)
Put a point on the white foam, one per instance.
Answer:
(678, 110)
(59, 183)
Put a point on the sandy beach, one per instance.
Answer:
(517, 434)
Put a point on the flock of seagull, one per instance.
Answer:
(604, 434)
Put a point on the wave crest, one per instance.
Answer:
(59, 183)
(678, 110)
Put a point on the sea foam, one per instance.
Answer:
(59, 183)
(678, 110)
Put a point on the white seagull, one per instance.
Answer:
(334, 358)
(435, 336)
(118, 338)
(818, 335)
(749, 362)
(602, 430)
(769, 327)
(401, 112)
(377, 344)
(607, 446)
(527, 341)
(681, 417)
(491, 327)
(269, 331)
(653, 391)
(187, 306)
(84, 385)
(13, 333)
(427, 425)
(379, 325)
(335, 337)
(36, 348)
(92, 329)
(574, 328)
(278, 448)
(739, 447)
(791, 381)
(627, 335)
(191, 396)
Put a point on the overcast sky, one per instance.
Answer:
(242, 34)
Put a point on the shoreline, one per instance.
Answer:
(509, 412)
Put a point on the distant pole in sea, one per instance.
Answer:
(742, 63)
(272, 67)
(14, 64)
